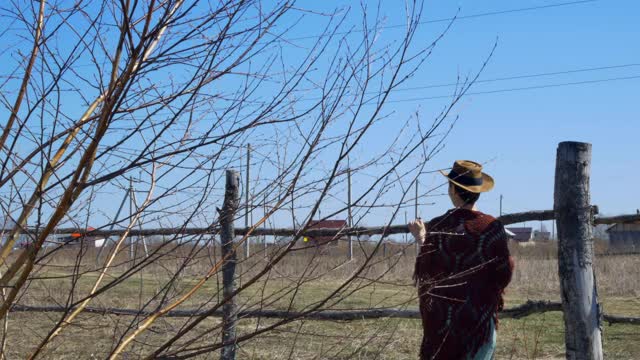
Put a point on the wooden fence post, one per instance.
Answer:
(572, 207)
(227, 234)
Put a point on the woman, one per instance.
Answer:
(461, 271)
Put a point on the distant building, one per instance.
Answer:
(624, 237)
(325, 224)
(27, 236)
(521, 234)
(6, 226)
(541, 235)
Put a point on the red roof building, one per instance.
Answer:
(325, 224)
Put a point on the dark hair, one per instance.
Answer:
(467, 196)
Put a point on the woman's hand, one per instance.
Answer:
(418, 229)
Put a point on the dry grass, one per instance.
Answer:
(385, 283)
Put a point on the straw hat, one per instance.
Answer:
(469, 176)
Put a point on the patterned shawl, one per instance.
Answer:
(461, 272)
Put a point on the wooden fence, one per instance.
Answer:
(506, 219)
(573, 212)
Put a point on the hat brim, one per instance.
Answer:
(487, 183)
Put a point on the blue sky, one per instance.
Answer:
(513, 131)
(516, 132)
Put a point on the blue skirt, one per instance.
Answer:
(486, 351)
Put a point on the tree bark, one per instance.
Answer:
(581, 311)
(227, 234)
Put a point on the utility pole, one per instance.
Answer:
(350, 219)
(144, 242)
(113, 224)
(415, 203)
(293, 212)
(264, 210)
(246, 201)
(416, 216)
(500, 204)
(406, 221)
(131, 251)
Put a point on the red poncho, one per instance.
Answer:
(461, 272)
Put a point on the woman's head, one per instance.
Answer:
(461, 197)
(466, 182)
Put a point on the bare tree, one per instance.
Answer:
(166, 94)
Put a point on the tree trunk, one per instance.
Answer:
(573, 213)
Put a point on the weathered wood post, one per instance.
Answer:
(227, 234)
(572, 207)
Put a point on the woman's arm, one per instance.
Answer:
(502, 261)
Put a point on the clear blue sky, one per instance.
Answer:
(517, 132)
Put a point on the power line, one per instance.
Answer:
(585, 82)
(515, 77)
(522, 88)
(463, 17)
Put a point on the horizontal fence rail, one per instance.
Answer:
(529, 308)
(506, 219)
(515, 218)
(620, 219)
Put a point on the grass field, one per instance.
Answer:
(534, 337)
